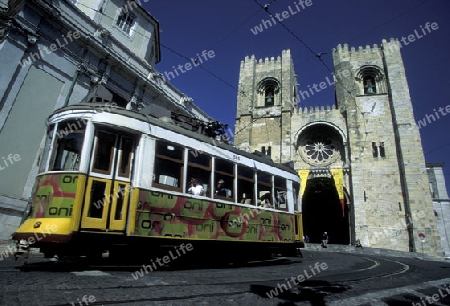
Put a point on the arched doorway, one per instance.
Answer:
(323, 212)
(324, 208)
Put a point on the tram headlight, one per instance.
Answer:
(23, 245)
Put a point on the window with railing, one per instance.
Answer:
(126, 22)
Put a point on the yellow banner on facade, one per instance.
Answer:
(338, 176)
(303, 177)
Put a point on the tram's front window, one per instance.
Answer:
(67, 148)
(47, 149)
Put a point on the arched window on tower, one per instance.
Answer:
(268, 90)
(371, 79)
(269, 95)
(369, 85)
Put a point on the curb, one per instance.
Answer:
(372, 251)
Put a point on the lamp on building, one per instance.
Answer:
(32, 39)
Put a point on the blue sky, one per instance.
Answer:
(224, 27)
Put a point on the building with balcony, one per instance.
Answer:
(56, 53)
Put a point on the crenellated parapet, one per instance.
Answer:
(317, 109)
(365, 53)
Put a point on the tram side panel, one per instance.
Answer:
(54, 210)
(160, 214)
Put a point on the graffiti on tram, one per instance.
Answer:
(162, 214)
(54, 195)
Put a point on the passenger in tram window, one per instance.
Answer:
(195, 188)
(281, 199)
(266, 200)
(221, 190)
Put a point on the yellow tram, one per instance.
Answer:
(116, 180)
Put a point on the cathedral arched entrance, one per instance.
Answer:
(323, 211)
(324, 205)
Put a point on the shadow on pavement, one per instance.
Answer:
(115, 265)
(313, 291)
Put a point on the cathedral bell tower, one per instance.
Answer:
(361, 162)
(391, 199)
(265, 104)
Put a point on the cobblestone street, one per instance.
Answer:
(349, 279)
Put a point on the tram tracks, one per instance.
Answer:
(403, 268)
(195, 289)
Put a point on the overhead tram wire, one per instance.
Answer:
(235, 29)
(389, 20)
(208, 71)
(211, 126)
(386, 22)
(173, 51)
(215, 44)
(211, 73)
(319, 57)
(379, 25)
(185, 57)
(287, 29)
(316, 54)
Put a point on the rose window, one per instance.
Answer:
(318, 148)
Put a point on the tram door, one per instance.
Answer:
(108, 187)
(298, 227)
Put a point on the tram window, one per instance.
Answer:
(224, 166)
(120, 200)
(199, 167)
(296, 195)
(200, 159)
(104, 152)
(169, 163)
(167, 150)
(67, 152)
(97, 199)
(280, 193)
(246, 185)
(167, 173)
(265, 197)
(126, 156)
(224, 170)
(47, 149)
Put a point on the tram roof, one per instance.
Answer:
(173, 127)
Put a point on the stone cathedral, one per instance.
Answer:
(361, 161)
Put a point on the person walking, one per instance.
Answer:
(324, 240)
